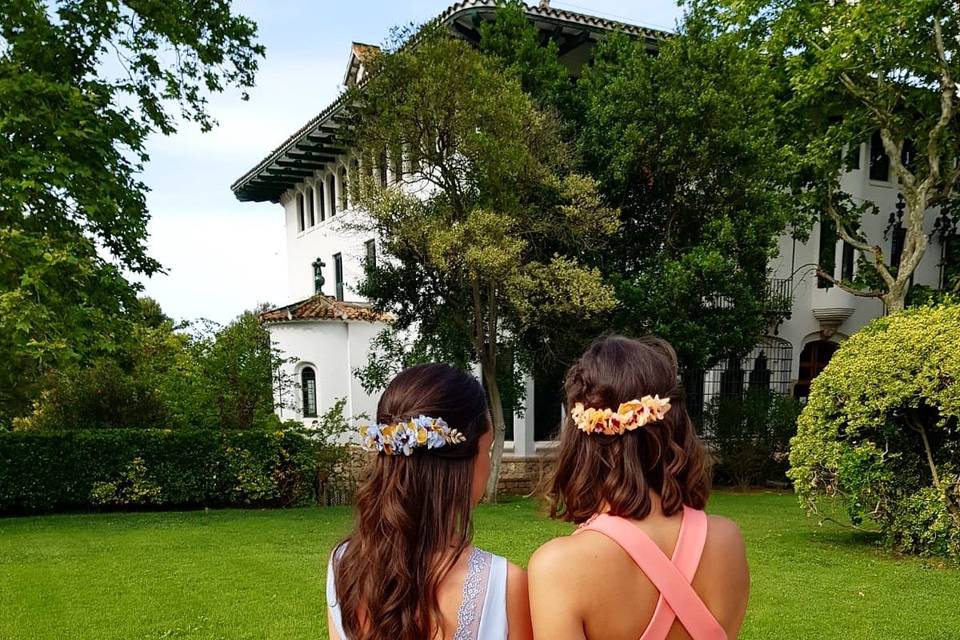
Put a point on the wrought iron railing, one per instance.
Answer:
(779, 296)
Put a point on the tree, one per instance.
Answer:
(683, 143)
(239, 365)
(191, 375)
(856, 68)
(83, 83)
(481, 244)
(513, 39)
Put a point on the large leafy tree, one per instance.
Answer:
(856, 68)
(481, 243)
(684, 144)
(513, 39)
(83, 83)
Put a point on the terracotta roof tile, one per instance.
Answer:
(321, 307)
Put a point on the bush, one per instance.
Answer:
(879, 435)
(751, 435)
(44, 471)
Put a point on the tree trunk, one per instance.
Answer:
(499, 426)
(895, 299)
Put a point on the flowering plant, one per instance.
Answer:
(628, 416)
(403, 437)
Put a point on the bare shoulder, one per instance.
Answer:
(559, 557)
(516, 577)
(518, 603)
(725, 534)
(549, 554)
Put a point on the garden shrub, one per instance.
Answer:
(879, 435)
(78, 469)
(750, 436)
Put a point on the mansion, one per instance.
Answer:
(328, 330)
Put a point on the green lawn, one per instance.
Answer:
(259, 574)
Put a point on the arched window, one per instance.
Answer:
(760, 375)
(731, 380)
(813, 360)
(382, 168)
(354, 179)
(308, 196)
(343, 188)
(308, 384)
(332, 185)
(320, 204)
(300, 226)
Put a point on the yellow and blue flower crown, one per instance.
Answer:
(403, 437)
(628, 416)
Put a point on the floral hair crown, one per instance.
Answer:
(403, 437)
(629, 416)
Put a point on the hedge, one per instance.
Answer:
(149, 468)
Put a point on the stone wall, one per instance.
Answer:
(520, 475)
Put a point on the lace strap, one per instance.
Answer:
(474, 593)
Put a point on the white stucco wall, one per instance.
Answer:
(797, 260)
(334, 349)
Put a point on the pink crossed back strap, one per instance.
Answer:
(671, 578)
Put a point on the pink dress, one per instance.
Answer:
(671, 576)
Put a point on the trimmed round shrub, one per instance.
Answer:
(879, 436)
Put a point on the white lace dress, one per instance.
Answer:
(483, 607)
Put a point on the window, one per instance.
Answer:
(853, 155)
(343, 189)
(847, 262)
(382, 168)
(320, 201)
(396, 163)
(338, 274)
(308, 385)
(332, 193)
(311, 219)
(950, 262)
(731, 380)
(300, 226)
(355, 180)
(371, 250)
(896, 245)
(760, 375)
(413, 157)
(828, 251)
(813, 360)
(879, 162)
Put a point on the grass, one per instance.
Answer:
(260, 574)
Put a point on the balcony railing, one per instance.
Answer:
(777, 299)
(779, 296)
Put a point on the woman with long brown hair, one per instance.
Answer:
(408, 570)
(646, 561)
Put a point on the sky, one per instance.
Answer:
(223, 256)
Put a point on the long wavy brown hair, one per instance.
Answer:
(618, 472)
(414, 513)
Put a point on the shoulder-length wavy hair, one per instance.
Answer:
(414, 513)
(618, 472)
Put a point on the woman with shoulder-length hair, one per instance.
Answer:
(408, 570)
(645, 562)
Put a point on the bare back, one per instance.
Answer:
(587, 586)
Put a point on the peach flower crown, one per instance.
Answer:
(628, 416)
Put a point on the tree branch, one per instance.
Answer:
(917, 426)
(863, 293)
(866, 250)
(948, 90)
